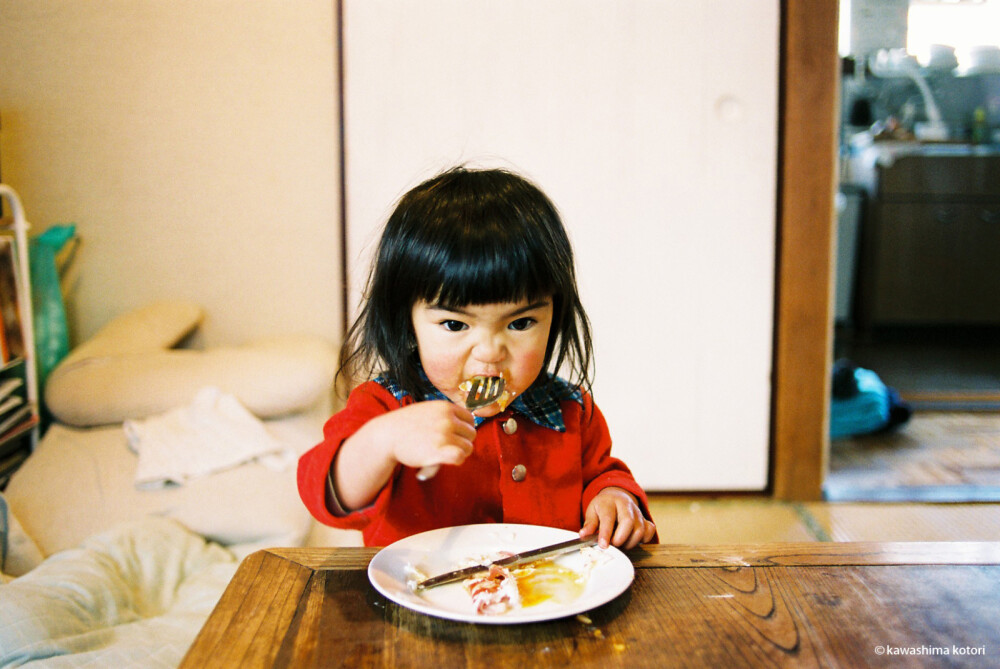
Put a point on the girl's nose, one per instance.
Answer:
(489, 348)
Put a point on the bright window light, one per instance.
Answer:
(959, 23)
(844, 31)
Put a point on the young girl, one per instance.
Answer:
(474, 276)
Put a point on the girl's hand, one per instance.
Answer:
(427, 433)
(421, 434)
(616, 518)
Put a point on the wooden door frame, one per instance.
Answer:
(803, 326)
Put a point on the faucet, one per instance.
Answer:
(892, 63)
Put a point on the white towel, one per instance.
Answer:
(213, 433)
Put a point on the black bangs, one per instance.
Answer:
(493, 263)
(477, 240)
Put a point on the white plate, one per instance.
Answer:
(442, 550)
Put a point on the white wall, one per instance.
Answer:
(193, 142)
(653, 127)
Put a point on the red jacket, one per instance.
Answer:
(562, 470)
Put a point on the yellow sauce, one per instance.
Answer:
(546, 581)
(506, 398)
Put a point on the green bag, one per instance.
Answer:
(51, 328)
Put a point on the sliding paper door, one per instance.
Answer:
(653, 127)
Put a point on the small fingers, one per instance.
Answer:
(650, 532)
(630, 528)
(628, 535)
(453, 454)
(606, 517)
(465, 416)
(642, 533)
(457, 436)
(463, 423)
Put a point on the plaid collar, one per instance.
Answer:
(540, 403)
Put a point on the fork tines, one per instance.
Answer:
(487, 387)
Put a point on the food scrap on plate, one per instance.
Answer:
(493, 592)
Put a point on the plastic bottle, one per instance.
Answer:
(980, 130)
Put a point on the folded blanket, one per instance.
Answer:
(213, 433)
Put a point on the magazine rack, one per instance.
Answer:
(14, 221)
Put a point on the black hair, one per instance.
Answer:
(467, 237)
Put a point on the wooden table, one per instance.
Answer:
(800, 604)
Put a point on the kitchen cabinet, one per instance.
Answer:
(932, 242)
(653, 128)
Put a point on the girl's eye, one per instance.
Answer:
(454, 326)
(522, 324)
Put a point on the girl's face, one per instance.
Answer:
(483, 339)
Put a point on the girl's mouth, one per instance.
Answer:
(506, 397)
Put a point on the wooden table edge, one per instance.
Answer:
(265, 595)
(728, 555)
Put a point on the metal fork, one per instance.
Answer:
(483, 391)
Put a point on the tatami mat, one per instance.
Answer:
(761, 520)
(908, 522)
(728, 521)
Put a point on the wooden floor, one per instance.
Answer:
(949, 451)
(937, 456)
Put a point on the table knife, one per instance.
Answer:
(509, 561)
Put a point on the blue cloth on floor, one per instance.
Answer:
(865, 412)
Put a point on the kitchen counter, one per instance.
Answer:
(866, 156)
